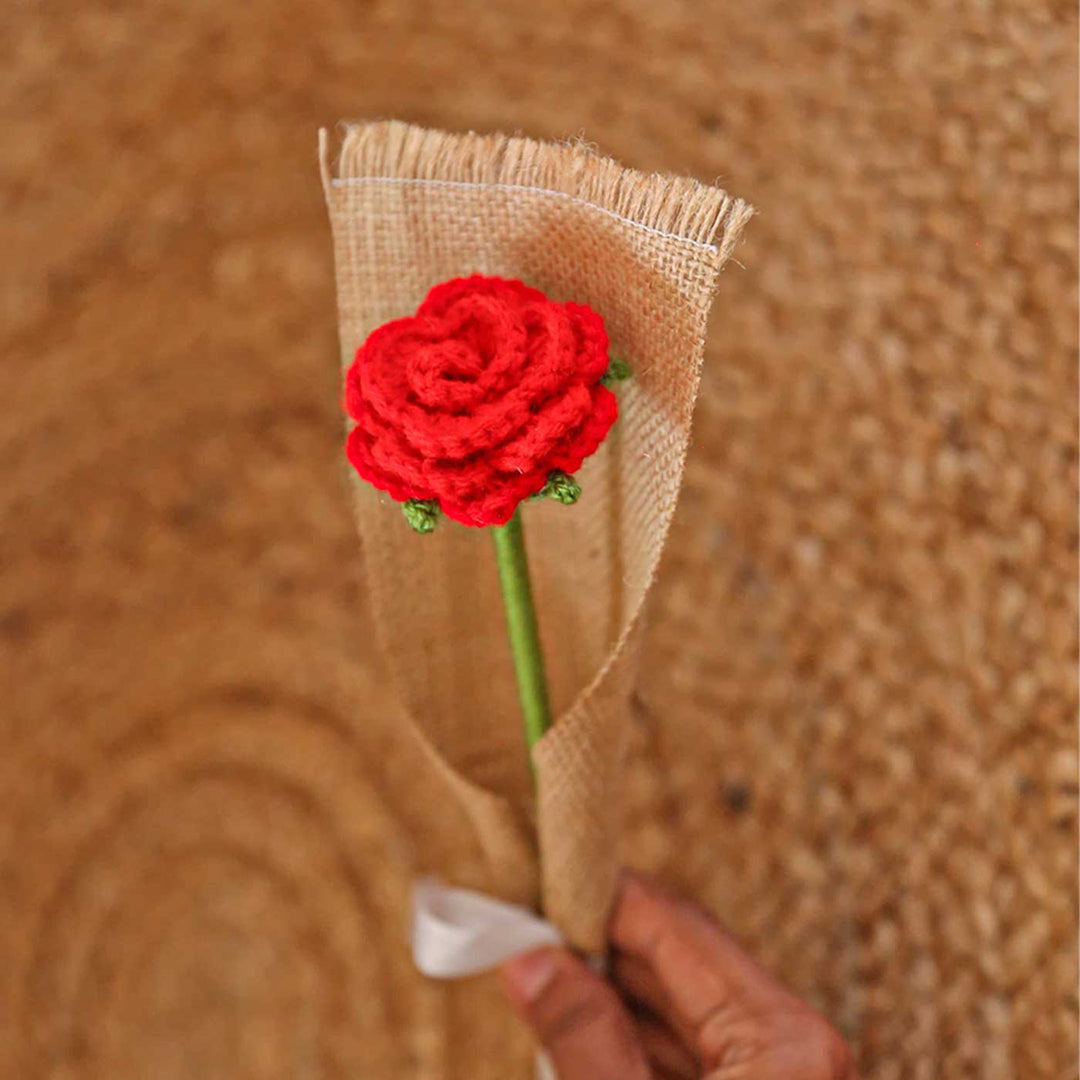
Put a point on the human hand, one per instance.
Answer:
(684, 1002)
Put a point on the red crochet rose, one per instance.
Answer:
(472, 401)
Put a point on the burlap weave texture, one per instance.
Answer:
(410, 208)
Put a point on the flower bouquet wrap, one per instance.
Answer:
(493, 293)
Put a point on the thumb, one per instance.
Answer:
(578, 1018)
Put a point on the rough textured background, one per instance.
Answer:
(857, 719)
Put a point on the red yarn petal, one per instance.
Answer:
(476, 398)
(544, 431)
(358, 452)
(585, 442)
(593, 356)
(439, 297)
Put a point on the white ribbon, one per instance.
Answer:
(458, 932)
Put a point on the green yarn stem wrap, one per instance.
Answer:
(521, 628)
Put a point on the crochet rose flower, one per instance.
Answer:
(476, 399)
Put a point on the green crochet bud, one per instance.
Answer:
(561, 487)
(421, 514)
(617, 371)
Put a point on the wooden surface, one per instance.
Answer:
(856, 736)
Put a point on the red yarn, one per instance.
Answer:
(478, 396)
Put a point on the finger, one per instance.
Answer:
(717, 993)
(578, 1018)
(699, 968)
(636, 981)
(804, 1044)
(636, 977)
(667, 1053)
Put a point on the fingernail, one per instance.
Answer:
(527, 976)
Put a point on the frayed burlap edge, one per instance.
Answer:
(676, 206)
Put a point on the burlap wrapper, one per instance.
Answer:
(410, 208)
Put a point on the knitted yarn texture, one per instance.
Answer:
(473, 401)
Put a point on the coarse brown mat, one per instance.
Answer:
(856, 735)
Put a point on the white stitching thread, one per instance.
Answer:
(343, 181)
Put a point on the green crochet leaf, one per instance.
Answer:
(421, 514)
(561, 487)
(617, 371)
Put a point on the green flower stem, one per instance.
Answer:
(521, 628)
